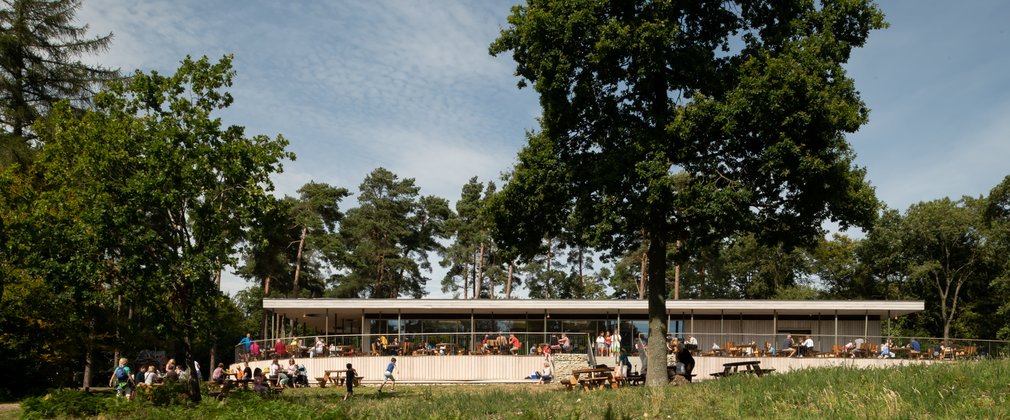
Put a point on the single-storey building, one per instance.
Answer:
(464, 322)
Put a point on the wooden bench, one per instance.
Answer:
(593, 383)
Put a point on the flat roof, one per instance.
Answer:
(355, 308)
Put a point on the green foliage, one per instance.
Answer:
(64, 402)
(168, 394)
(943, 390)
(388, 237)
(39, 66)
(669, 121)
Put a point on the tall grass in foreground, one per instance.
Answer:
(945, 390)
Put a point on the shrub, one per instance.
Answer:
(64, 402)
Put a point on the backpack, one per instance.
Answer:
(121, 374)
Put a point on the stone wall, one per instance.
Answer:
(565, 363)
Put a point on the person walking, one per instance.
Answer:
(388, 375)
(351, 373)
(122, 380)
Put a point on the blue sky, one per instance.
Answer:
(409, 86)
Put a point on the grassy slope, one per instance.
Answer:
(947, 390)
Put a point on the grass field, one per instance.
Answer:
(946, 390)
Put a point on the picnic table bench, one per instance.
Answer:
(749, 367)
(336, 377)
(592, 378)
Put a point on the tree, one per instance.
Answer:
(172, 187)
(997, 222)
(317, 213)
(946, 251)
(39, 51)
(688, 120)
(388, 237)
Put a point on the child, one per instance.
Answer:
(351, 373)
(388, 375)
(122, 380)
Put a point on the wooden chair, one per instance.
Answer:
(966, 352)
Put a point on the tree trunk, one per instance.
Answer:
(466, 280)
(380, 270)
(480, 269)
(508, 281)
(643, 276)
(473, 272)
(213, 355)
(298, 257)
(89, 350)
(547, 280)
(676, 276)
(657, 375)
(266, 292)
(582, 278)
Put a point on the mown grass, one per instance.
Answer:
(948, 390)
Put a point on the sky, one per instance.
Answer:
(410, 86)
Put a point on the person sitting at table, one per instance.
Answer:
(150, 376)
(807, 348)
(885, 350)
(259, 380)
(291, 370)
(858, 343)
(769, 349)
(516, 345)
(547, 375)
(247, 372)
(333, 349)
(914, 347)
(692, 343)
(218, 375)
(485, 344)
(318, 348)
(787, 346)
(684, 356)
(565, 343)
(275, 372)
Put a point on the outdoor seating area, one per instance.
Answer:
(752, 367)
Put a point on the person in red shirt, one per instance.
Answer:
(279, 349)
(516, 345)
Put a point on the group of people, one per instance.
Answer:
(791, 349)
(125, 381)
(251, 349)
(608, 345)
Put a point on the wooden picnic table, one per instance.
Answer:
(592, 378)
(342, 351)
(749, 366)
(742, 349)
(447, 348)
(336, 377)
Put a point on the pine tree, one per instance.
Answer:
(40, 49)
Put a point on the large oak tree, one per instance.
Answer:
(686, 121)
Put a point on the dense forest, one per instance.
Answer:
(123, 199)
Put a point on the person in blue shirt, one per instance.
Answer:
(914, 345)
(388, 375)
(246, 341)
(787, 347)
